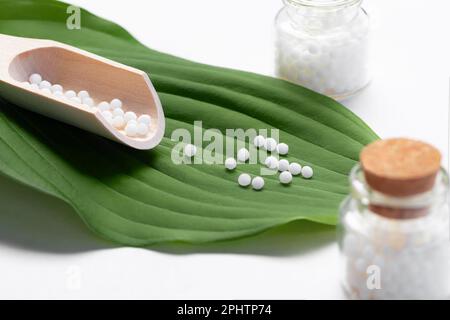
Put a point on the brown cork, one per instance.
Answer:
(400, 168)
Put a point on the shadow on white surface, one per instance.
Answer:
(289, 240)
(35, 221)
(31, 220)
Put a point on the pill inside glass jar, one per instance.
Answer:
(394, 231)
(324, 45)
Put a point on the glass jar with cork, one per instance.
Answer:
(394, 227)
(324, 45)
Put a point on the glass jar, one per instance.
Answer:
(401, 255)
(324, 45)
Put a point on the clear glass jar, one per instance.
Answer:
(406, 257)
(324, 45)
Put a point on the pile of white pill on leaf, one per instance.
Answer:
(127, 122)
(286, 170)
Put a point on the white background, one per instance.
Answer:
(46, 251)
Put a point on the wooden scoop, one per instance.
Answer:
(78, 70)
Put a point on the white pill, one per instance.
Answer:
(118, 122)
(243, 155)
(270, 144)
(103, 106)
(132, 122)
(283, 165)
(46, 91)
(75, 100)
(259, 141)
(107, 114)
(57, 88)
(35, 78)
(34, 86)
(88, 101)
(351, 245)
(368, 252)
(230, 163)
(190, 150)
(116, 103)
(285, 177)
(129, 115)
(131, 129)
(307, 172)
(45, 85)
(313, 48)
(58, 94)
(360, 265)
(258, 183)
(295, 169)
(70, 94)
(118, 112)
(142, 129)
(271, 162)
(282, 149)
(244, 180)
(83, 94)
(145, 118)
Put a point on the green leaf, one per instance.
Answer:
(141, 198)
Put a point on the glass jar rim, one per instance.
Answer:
(322, 4)
(365, 194)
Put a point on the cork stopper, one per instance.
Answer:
(400, 167)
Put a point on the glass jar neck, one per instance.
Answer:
(401, 208)
(323, 3)
(322, 14)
